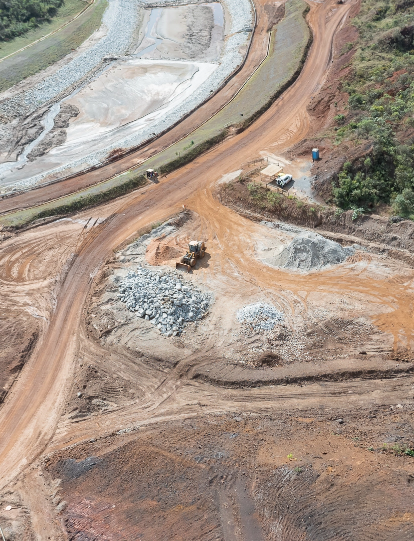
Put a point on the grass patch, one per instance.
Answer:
(65, 13)
(74, 203)
(19, 16)
(52, 49)
(193, 154)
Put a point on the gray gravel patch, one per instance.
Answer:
(260, 316)
(310, 251)
(283, 227)
(164, 299)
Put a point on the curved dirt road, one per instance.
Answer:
(30, 414)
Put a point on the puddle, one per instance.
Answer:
(217, 12)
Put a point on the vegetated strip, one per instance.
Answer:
(377, 122)
(40, 30)
(258, 203)
(292, 39)
(48, 51)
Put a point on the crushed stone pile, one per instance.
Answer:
(310, 251)
(261, 316)
(164, 299)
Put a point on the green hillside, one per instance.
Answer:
(380, 113)
(19, 16)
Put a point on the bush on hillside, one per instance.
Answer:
(380, 114)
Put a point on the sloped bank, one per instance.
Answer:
(379, 234)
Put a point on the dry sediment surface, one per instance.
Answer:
(300, 476)
(195, 44)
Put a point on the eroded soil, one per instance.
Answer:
(306, 475)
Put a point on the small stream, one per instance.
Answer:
(47, 122)
(150, 33)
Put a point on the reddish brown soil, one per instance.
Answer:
(181, 458)
(396, 239)
(302, 476)
(18, 336)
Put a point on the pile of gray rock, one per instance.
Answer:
(310, 251)
(261, 316)
(164, 299)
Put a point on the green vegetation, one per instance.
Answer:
(19, 16)
(380, 117)
(68, 10)
(52, 49)
(95, 195)
(399, 450)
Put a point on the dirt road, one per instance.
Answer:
(30, 414)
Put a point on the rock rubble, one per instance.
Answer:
(164, 299)
(310, 251)
(261, 316)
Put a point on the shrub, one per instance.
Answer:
(274, 198)
(339, 119)
(404, 203)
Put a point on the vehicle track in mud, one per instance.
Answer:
(32, 411)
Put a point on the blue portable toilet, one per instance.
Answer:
(315, 154)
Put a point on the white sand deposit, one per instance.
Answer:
(138, 98)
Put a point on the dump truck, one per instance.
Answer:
(196, 250)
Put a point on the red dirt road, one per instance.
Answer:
(30, 414)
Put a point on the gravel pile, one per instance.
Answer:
(310, 251)
(261, 316)
(164, 299)
(121, 18)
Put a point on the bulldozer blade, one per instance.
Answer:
(183, 266)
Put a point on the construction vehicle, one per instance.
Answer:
(196, 250)
(152, 175)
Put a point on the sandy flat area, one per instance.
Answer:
(126, 98)
(129, 92)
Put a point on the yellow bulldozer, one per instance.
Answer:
(196, 250)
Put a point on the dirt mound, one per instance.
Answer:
(158, 254)
(310, 251)
(268, 359)
(306, 475)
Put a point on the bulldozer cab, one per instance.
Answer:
(194, 247)
(196, 250)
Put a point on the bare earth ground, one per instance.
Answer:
(114, 432)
